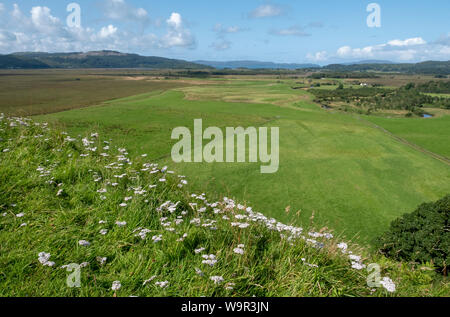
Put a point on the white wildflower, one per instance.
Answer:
(229, 286)
(209, 259)
(388, 284)
(358, 266)
(157, 238)
(101, 260)
(149, 280)
(217, 279)
(84, 243)
(116, 285)
(200, 250)
(343, 246)
(44, 259)
(162, 284)
(198, 272)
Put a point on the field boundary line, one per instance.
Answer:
(436, 156)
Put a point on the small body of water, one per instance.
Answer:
(427, 116)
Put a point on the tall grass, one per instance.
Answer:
(149, 236)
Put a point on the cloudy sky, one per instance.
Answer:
(281, 30)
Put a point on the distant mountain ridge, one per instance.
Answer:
(114, 59)
(428, 67)
(94, 59)
(255, 65)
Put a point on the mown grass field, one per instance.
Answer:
(432, 134)
(335, 170)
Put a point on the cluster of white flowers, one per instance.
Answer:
(239, 249)
(163, 284)
(142, 233)
(388, 284)
(44, 259)
(237, 215)
(84, 243)
(209, 259)
(217, 279)
(116, 285)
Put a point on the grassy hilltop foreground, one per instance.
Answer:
(136, 230)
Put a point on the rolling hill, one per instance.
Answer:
(256, 65)
(95, 59)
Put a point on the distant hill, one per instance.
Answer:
(10, 61)
(374, 61)
(96, 59)
(430, 67)
(113, 59)
(255, 65)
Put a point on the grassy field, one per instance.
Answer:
(432, 134)
(335, 170)
(46, 91)
(128, 227)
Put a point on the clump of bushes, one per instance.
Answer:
(422, 236)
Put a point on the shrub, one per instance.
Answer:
(421, 236)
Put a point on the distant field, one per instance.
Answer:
(335, 170)
(432, 134)
(48, 91)
(439, 95)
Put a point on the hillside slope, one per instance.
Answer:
(134, 229)
(96, 59)
(336, 169)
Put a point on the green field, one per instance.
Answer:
(335, 170)
(433, 134)
(154, 240)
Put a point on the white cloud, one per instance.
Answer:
(107, 31)
(177, 35)
(221, 45)
(407, 42)
(318, 56)
(41, 31)
(120, 10)
(222, 32)
(220, 29)
(407, 50)
(266, 10)
(291, 31)
(43, 20)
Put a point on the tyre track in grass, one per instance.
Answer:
(436, 156)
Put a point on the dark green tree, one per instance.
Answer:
(422, 236)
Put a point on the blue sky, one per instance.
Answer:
(281, 31)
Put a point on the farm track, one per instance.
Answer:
(406, 142)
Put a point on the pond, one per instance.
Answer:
(427, 115)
